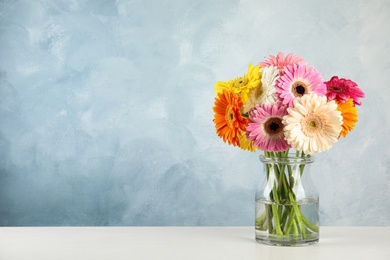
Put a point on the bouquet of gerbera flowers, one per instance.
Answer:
(283, 104)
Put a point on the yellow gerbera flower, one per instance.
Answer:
(349, 114)
(220, 86)
(241, 85)
(245, 144)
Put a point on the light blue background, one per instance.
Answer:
(106, 108)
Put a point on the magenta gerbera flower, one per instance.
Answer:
(265, 127)
(343, 89)
(280, 61)
(297, 80)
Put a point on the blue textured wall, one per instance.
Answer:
(106, 119)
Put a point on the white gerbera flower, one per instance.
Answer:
(313, 124)
(264, 93)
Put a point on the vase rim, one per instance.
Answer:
(290, 158)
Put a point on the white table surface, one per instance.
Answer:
(57, 243)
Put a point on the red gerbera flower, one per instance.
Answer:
(342, 89)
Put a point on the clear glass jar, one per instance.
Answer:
(287, 201)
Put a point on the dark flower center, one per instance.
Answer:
(299, 89)
(229, 116)
(273, 126)
(240, 82)
(336, 89)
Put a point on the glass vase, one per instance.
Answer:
(287, 201)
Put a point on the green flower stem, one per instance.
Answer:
(280, 213)
(290, 175)
(295, 229)
(284, 187)
(310, 225)
(302, 166)
(285, 215)
(276, 212)
(269, 218)
(290, 221)
(298, 216)
(300, 226)
(276, 219)
(260, 220)
(276, 194)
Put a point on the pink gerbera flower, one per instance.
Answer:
(280, 61)
(297, 80)
(343, 89)
(265, 127)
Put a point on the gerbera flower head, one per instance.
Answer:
(227, 117)
(264, 93)
(280, 61)
(245, 144)
(313, 124)
(343, 89)
(241, 85)
(296, 81)
(349, 114)
(220, 86)
(265, 127)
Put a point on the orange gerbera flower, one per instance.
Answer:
(349, 114)
(227, 117)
